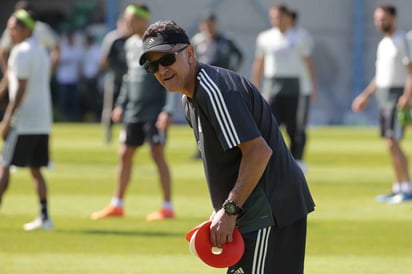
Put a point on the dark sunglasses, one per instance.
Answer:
(166, 60)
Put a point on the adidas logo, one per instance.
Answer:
(237, 271)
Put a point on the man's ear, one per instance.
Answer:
(190, 54)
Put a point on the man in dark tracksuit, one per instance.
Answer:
(253, 180)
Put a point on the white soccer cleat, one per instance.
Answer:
(38, 223)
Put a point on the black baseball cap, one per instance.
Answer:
(162, 42)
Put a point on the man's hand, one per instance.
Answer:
(117, 114)
(313, 94)
(221, 228)
(163, 121)
(404, 101)
(360, 103)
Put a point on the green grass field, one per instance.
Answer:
(348, 233)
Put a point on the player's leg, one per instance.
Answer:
(401, 169)
(157, 140)
(297, 138)
(108, 101)
(393, 132)
(124, 170)
(157, 153)
(8, 153)
(33, 152)
(300, 136)
(132, 138)
(43, 221)
(41, 190)
(4, 180)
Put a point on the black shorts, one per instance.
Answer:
(390, 126)
(26, 150)
(272, 250)
(289, 107)
(135, 134)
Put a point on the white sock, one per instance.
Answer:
(406, 187)
(116, 202)
(396, 187)
(168, 205)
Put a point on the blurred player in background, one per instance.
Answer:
(392, 85)
(146, 109)
(308, 83)
(282, 59)
(27, 121)
(43, 33)
(215, 48)
(114, 64)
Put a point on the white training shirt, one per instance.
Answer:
(42, 32)
(29, 60)
(391, 58)
(282, 53)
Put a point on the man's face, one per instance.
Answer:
(16, 31)
(277, 18)
(209, 27)
(384, 22)
(173, 77)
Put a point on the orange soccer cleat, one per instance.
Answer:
(108, 211)
(162, 214)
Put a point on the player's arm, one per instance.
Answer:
(257, 70)
(237, 53)
(3, 60)
(255, 157)
(104, 63)
(54, 58)
(121, 102)
(361, 101)
(5, 46)
(165, 117)
(50, 40)
(312, 73)
(11, 108)
(3, 85)
(106, 49)
(4, 80)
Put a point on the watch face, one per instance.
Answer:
(231, 208)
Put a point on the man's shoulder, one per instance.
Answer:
(43, 27)
(134, 41)
(266, 32)
(398, 38)
(398, 35)
(23, 47)
(221, 79)
(208, 72)
(409, 35)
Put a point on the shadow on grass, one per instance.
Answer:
(124, 233)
